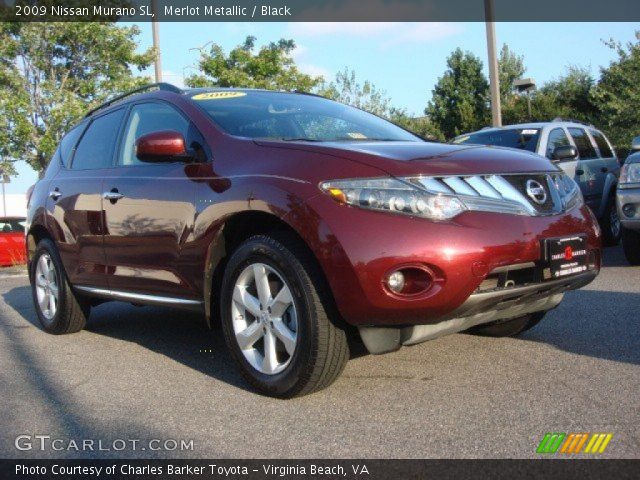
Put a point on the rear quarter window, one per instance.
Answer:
(603, 145)
(69, 142)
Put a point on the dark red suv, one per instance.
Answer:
(297, 222)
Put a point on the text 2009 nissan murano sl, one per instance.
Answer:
(298, 221)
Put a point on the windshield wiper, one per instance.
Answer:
(299, 139)
(373, 139)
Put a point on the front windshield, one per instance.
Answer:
(521, 138)
(288, 116)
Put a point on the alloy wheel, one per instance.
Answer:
(264, 318)
(46, 284)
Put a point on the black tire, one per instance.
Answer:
(631, 245)
(322, 351)
(508, 328)
(610, 225)
(72, 310)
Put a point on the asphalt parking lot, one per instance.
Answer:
(146, 373)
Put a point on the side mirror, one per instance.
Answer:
(635, 144)
(164, 146)
(565, 152)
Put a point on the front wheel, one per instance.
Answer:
(274, 321)
(631, 245)
(508, 328)
(58, 307)
(611, 226)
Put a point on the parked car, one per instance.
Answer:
(581, 150)
(628, 201)
(297, 221)
(12, 248)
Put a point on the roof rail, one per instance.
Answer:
(572, 120)
(152, 86)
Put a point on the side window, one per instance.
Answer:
(603, 145)
(583, 143)
(557, 138)
(147, 118)
(69, 142)
(95, 149)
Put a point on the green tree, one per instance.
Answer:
(51, 73)
(510, 68)
(346, 89)
(617, 95)
(460, 98)
(271, 67)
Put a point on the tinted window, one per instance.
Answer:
(69, 142)
(95, 149)
(12, 225)
(557, 138)
(291, 116)
(147, 118)
(521, 138)
(603, 146)
(583, 143)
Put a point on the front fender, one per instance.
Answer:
(609, 191)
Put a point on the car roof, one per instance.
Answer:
(537, 125)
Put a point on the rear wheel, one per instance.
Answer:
(631, 245)
(273, 319)
(58, 308)
(509, 328)
(610, 224)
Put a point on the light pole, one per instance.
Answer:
(156, 40)
(494, 80)
(4, 179)
(526, 85)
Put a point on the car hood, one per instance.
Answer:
(425, 158)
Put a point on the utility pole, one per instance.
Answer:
(494, 80)
(156, 40)
(3, 177)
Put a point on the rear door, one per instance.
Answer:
(607, 153)
(590, 173)
(148, 230)
(75, 201)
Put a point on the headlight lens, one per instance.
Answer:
(569, 191)
(630, 173)
(394, 196)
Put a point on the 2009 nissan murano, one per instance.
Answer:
(298, 221)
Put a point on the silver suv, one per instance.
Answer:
(581, 150)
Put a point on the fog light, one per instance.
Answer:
(629, 210)
(396, 281)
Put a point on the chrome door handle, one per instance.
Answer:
(55, 194)
(112, 196)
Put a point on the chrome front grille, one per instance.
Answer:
(500, 193)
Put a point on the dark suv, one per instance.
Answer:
(297, 221)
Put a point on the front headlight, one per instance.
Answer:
(569, 191)
(394, 196)
(630, 173)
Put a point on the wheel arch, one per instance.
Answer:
(236, 229)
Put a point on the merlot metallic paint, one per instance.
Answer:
(165, 237)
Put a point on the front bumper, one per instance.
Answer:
(624, 197)
(358, 248)
(479, 308)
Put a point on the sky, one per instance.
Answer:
(403, 59)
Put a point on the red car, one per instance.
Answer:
(298, 222)
(12, 250)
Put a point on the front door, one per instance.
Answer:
(150, 212)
